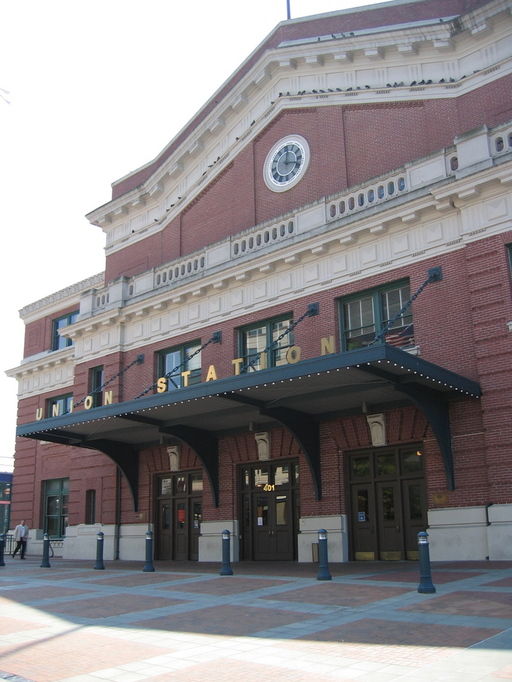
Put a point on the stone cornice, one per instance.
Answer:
(70, 294)
(315, 234)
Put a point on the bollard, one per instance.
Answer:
(226, 563)
(426, 586)
(2, 547)
(46, 552)
(99, 565)
(323, 566)
(148, 566)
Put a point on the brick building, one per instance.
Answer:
(306, 311)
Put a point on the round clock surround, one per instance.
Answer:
(286, 163)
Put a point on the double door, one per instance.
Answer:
(270, 511)
(179, 517)
(388, 503)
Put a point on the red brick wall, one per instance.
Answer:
(39, 334)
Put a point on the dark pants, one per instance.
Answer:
(22, 546)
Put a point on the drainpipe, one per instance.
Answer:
(118, 514)
(487, 522)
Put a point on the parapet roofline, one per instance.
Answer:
(270, 42)
(368, 31)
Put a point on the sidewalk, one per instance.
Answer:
(70, 623)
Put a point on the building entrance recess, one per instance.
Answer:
(270, 510)
(179, 510)
(388, 503)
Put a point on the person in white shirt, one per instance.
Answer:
(21, 537)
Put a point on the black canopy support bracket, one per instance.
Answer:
(307, 432)
(127, 459)
(301, 426)
(206, 448)
(436, 411)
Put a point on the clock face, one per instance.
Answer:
(286, 163)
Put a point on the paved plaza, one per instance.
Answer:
(71, 623)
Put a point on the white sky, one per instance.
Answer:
(97, 89)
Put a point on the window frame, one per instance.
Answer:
(66, 401)
(379, 318)
(96, 380)
(60, 342)
(90, 507)
(184, 350)
(268, 324)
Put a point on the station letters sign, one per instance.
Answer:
(293, 355)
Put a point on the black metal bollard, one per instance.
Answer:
(99, 565)
(323, 565)
(46, 552)
(226, 561)
(148, 566)
(2, 548)
(426, 586)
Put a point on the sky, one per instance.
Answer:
(95, 90)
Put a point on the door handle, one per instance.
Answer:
(398, 529)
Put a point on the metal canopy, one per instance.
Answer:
(296, 396)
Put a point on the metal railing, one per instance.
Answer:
(9, 545)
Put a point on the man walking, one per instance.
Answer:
(20, 537)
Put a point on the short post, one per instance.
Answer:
(2, 547)
(148, 566)
(99, 565)
(426, 586)
(46, 552)
(323, 565)
(226, 551)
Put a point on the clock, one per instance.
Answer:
(286, 163)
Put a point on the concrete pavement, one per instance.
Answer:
(70, 623)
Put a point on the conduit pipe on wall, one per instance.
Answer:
(487, 522)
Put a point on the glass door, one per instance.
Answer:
(179, 513)
(270, 511)
(388, 503)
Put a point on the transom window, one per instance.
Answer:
(59, 342)
(181, 365)
(256, 338)
(363, 316)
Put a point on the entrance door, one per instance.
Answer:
(387, 502)
(390, 531)
(273, 533)
(164, 535)
(270, 511)
(179, 516)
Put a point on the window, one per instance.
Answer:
(90, 507)
(95, 384)
(55, 514)
(180, 368)
(255, 339)
(60, 405)
(5, 503)
(365, 315)
(59, 342)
